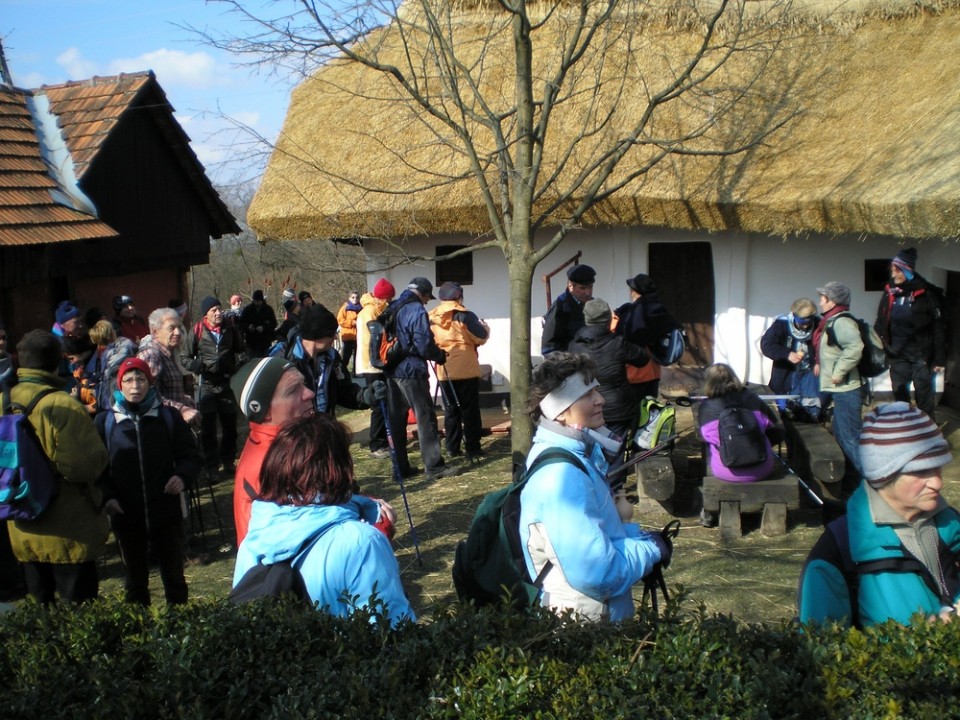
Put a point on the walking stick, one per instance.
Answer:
(816, 498)
(398, 476)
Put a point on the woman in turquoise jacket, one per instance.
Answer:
(568, 516)
(897, 548)
(306, 513)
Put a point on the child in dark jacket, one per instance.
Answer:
(153, 459)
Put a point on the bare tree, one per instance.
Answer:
(240, 264)
(548, 109)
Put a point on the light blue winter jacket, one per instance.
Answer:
(350, 556)
(571, 519)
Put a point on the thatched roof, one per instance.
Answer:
(872, 146)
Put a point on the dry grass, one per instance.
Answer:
(753, 578)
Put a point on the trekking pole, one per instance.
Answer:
(398, 476)
(653, 580)
(810, 492)
(688, 400)
(637, 459)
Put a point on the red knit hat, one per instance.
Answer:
(133, 363)
(384, 289)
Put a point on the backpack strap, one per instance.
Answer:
(852, 570)
(548, 457)
(37, 398)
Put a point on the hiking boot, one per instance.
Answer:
(380, 454)
(444, 471)
(410, 472)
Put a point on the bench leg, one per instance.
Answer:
(730, 520)
(774, 520)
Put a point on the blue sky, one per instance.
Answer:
(52, 41)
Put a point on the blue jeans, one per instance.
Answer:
(847, 423)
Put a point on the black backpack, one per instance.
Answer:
(489, 565)
(873, 361)
(742, 443)
(277, 579)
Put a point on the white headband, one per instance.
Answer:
(562, 397)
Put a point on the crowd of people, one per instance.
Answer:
(164, 396)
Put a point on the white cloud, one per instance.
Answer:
(76, 66)
(175, 68)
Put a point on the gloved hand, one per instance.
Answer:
(195, 366)
(665, 544)
(379, 389)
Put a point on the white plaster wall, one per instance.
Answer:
(756, 279)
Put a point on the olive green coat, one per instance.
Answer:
(73, 528)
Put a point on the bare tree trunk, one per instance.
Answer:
(521, 275)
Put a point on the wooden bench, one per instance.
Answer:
(815, 456)
(773, 497)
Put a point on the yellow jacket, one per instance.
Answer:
(371, 309)
(452, 335)
(73, 528)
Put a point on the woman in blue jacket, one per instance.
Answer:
(568, 516)
(895, 552)
(306, 514)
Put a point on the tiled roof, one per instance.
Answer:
(88, 110)
(29, 211)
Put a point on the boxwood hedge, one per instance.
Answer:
(274, 660)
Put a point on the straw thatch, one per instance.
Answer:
(871, 98)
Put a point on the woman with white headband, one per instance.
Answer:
(568, 518)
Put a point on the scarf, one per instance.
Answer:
(818, 333)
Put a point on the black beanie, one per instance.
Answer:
(208, 302)
(40, 350)
(317, 322)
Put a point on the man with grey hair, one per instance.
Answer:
(838, 348)
(160, 350)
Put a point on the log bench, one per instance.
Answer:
(773, 497)
(815, 456)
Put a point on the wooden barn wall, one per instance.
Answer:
(143, 192)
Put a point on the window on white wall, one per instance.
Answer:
(458, 269)
(876, 274)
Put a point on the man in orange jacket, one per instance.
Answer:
(271, 393)
(459, 333)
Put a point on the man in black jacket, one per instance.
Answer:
(258, 322)
(565, 316)
(611, 353)
(323, 370)
(215, 351)
(910, 321)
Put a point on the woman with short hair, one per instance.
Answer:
(568, 517)
(306, 514)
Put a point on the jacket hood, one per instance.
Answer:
(277, 532)
(443, 313)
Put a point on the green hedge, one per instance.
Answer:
(212, 660)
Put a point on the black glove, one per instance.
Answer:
(380, 389)
(195, 366)
(666, 547)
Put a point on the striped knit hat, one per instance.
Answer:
(898, 438)
(255, 383)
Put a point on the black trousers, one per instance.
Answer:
(76, 582)
(378, 429)
(167, 544)
(218, 406)
(461, 415)
(905, 372)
